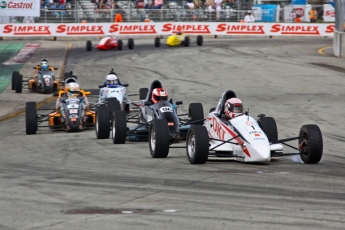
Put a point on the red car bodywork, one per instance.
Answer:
(107, 43)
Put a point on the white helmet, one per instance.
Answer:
(233, 107)
(112, 81)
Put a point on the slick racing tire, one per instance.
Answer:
(102, 122)
(157, 42)
(113, 104)
(19, 83)
(199, 40)
(14, 77)
(30, 118)
(196, 114)
(130, 43)
(119, 127)
(269, 126)
(310, 144)
(88, 46)
(143, 93)
(119, 44)
(197, 144)
(159, 138)
(186, 41)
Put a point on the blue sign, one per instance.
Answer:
(331, 2)
(298, 2)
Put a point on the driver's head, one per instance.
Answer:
(112, 81)
(159, 94)
(72, 89)
(109, 35)
(179, 32)
(44, 64)
(233, 107)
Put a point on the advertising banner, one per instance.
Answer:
(167, 28)
(291, 11)
(328, 13)
(20, 8)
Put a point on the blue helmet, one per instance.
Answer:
(44, 64)
(111, 81)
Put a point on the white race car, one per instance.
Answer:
(247, 140)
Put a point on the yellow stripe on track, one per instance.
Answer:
(320, 51)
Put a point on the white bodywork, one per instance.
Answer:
(120, 93)
(104, 40)
(248, 142)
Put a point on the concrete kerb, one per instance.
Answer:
(13, 104)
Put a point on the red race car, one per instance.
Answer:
(110, 42)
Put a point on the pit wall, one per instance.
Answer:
(166, 28)
(339, 44)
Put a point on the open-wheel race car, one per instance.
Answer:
(73, 114)
(245, 139)
(44, 82)
(110, 42)
(153, 111)
(178, 38)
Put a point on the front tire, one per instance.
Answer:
(157, 42)
(159, 138)
(19, 83)
(310, 144)
(186, 41)
(119, 127)
(113, 104)
(269, 126)
(199, 40)
(88, 46)
(130, 43)
(14, 78)
(196, 113)
(119, 44)
(102, 122)
(197, 145)
(30, 118)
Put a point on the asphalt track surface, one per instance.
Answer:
(58, 180)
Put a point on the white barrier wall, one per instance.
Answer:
(138, 29)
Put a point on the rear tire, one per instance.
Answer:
(186, 41)
(88, 46)
(130, 43)
(199, 40)
(143, 93)
(157, 42)
(119, 127)
(310, 144)
(119, 44)
(269, 126)
(19, 83)
(30, 118)
(102, 122)
(197, 145)
(14, 78)
(159, 138)
(196, 113)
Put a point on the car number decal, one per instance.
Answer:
(166, 109)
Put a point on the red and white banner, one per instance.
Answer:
(328, 13)
(137, 29)
(20, 8)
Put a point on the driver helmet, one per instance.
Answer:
(159, 94)
(111, 81)
(72, 89)
(233, 107)
(109, 35)
(44, 64)
(179, 33)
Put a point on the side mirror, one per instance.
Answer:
(87, 93)
(179, 102)
(55, 68)
(261, 115)
(100, 86)
(147, 103)
(125, 85)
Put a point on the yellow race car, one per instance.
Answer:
(179, 38)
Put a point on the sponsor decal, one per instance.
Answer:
(240, 29)
(259, 139)
(330, 13)
(295, 29)
(165, 109)
(256, 134)
(80, 29)
(330, 29)
(299, 11)
(170, 123)
(187, 28)
(20, 5)
(132, 29)
(26, 30)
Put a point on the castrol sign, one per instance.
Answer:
(20, 8)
